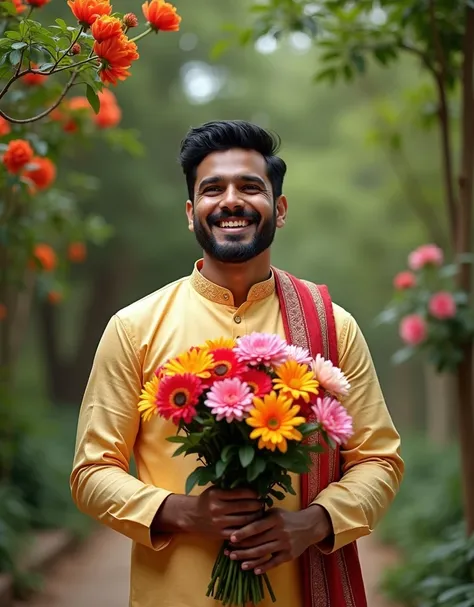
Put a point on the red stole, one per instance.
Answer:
(333, 580)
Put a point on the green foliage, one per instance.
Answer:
(425, 525)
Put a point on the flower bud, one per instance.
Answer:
(130, 20)
(76, 49)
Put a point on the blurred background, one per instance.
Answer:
(358, 204)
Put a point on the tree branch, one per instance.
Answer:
(441, 77)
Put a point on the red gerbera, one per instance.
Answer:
(259, 382)
(178, 396)
(225, 365)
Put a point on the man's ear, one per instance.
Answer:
(281, 211)
(190, 215)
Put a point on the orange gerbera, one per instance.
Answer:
(106, 27)
(110, 113)
(33, 79)
(161, 16)
(274, 419)
(296, 380)
(42, 173)
(77, 252)
(4, 127)
(19, 152)
(196, 361)
(87, 11)
(46, 256)
(220, 342)
(116, 55)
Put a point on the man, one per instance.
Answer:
(235, 205)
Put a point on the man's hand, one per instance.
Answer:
(215, 513)
(278, 537)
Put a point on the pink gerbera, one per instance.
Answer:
(334, 419)
(261, 348)
(330, 378)
(299, 355)
(230, 399)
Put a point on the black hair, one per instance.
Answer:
(220, 136)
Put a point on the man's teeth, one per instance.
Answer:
(241, 223)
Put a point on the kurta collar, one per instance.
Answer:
(220, 295)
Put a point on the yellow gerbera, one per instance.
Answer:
(296, 381)
(197, 361)
(274, 419)
(220, 342)
(147, 404)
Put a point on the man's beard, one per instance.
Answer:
(234, 251)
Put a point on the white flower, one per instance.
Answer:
(299, 355)
(330, 378)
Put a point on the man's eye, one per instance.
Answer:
(252, 188)
(212, 189)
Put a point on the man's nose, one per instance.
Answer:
(231, 198)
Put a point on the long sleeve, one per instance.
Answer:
(372, 468)
(108, 424)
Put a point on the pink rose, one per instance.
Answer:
(427, 254)
(404, 280)
(442, 305)
(413, 329)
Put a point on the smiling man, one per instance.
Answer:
(308, 544)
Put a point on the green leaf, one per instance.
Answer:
(62, 24)
(193, 479)
(246, 455)
(226, 453)
(455, 593)
(221, 467)
(256, 467)
(15, 57)
(308, 428)
(278, 494)
(19, 45)
(181, 450)
(44, 67)
(219, 49)
(177, 439)
(93, 98)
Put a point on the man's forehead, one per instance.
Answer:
(232, 163)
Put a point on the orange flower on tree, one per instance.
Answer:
(106, 27)
(37, 3)
(3, 312)
(33, 79)
(55, 297)
(45, 256)
(42, 173)
(109, 114)
(87, 11)
(161, 16)
(19, 6)
(116, 55)
(77, 252)
(4, 127)
(19, 152)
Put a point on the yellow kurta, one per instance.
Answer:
(174, 571)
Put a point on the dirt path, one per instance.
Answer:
(97, 575)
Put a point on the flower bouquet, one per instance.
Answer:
(245, 409)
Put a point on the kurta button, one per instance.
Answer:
(237, 319)
(226, 296)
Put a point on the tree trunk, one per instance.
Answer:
(67, 376)
(463, 246)
(441, 402)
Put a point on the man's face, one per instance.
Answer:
(234, 216)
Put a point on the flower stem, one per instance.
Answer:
(142, 35)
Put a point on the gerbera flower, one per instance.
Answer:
(334, 419)
(261, 348)
(299, 354)
(220, 342)
(225, 364)
(331, 378)
(295, 380)
(147, 402)
(258, 381)
(178, 396)
(274, 419)
(197, 361)
(230, 399)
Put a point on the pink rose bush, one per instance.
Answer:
(432, 315)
